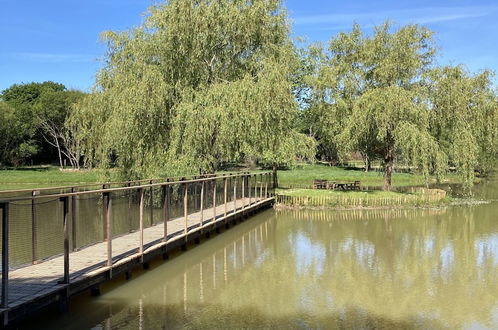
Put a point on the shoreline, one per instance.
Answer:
(451, 202)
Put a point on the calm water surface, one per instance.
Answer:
(387, 269)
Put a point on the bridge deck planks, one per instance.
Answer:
(36, 281)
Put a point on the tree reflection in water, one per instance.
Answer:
(419, 268)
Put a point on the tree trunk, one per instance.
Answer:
(388, 168)
(275, 178)
(59, 152)
(368, 163)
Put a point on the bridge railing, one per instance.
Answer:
(42, 228)
(52, 190)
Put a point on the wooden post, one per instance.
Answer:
(74, 218)
(104, 213)
(5, 254)
(266, 186)
(108, 222)
(185, 210)
(243, 191)
(214, 200)
(151, 204)
(141, 217)
(234, 194)
(249, 188)
(34, 225)
(130, 201)
(202, 204)
(165, 211)
(261, 187)
(65, 201)
(225, 183)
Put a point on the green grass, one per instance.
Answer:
(304, 175)
(47, 176)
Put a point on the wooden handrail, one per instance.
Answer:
(159, 184)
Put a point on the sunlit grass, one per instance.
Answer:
(304, 175)
(47, 176)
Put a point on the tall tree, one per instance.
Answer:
(51, 111)
(37, 113)
(24, 140)
(464, 118)
(194, 86)
(368, 92)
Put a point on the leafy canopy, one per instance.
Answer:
(199, 83)
(368, 94)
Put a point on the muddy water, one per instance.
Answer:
(388, 269)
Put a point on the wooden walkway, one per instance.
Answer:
(35, 286)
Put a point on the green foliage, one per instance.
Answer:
(464, 119)
(12, 144)
(304, 175)
(34, 116)
(367, 96)
(187, 94)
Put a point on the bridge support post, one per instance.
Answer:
(185, 210)
(225, 192)
(104, 213)
(234, 194)
(5, 255)
(151, 203)
(266, 186)
(249, 188)
(128, 212)
(141, 219)
(214, 200)
(243, 192)
(202, 207)
(65, 201)
(108, 222)
(34, 226)
(74, 218)
(166, 189)
(261, 186)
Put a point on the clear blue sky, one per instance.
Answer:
(59, 39)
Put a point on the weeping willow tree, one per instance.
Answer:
(464, 119)
(198, 84)
(369, 90)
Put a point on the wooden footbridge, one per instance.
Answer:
(57, 245)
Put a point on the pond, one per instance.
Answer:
(389, 269)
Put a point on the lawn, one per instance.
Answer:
(46, 176)
(301, 177)
(304, 175)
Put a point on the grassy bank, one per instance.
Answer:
(353, 199)
(303, 176)
(46, 176)
(300, 177)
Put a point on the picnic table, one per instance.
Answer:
(333, 185)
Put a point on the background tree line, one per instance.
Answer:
(204, 83)
(32, 124)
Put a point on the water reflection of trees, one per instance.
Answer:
(428, 263)
(351, 269)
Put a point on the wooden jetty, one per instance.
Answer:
(27, 289)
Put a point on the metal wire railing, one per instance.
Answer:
(41, 227)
